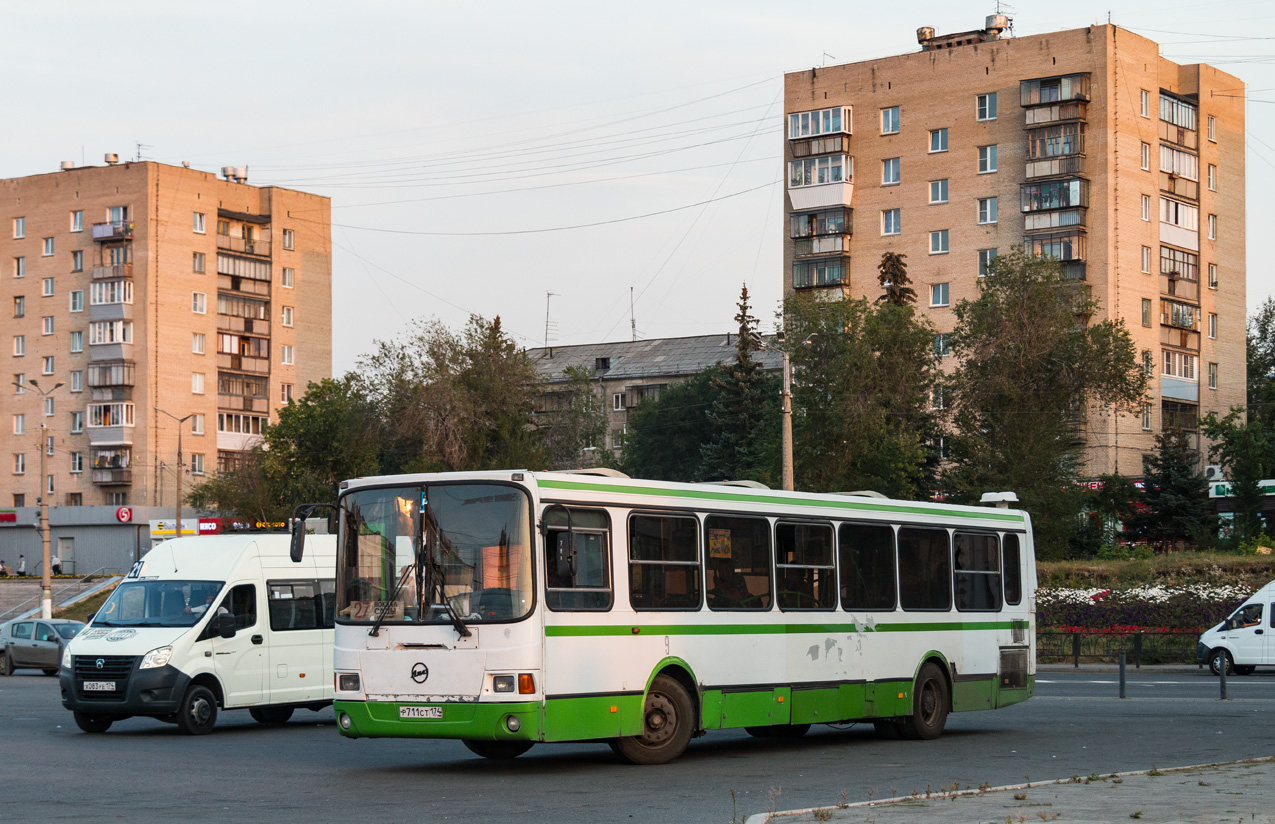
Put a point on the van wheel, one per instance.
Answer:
(50, 672)
(198, 711)
(271, 715)
(929, 706)
(93, 723)
(6, 664)
(667, 725)
(1244, 669)
(501, 750)
(1220, 659)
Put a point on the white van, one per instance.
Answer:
(1245, 640)
(221, 621)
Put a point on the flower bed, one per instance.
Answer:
(1161, 609)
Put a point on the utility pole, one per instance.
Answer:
(180, 424)
(46, 571)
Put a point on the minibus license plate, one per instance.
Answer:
(99, 686)
(420, 712)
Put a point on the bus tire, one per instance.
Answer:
(271, 715)
(668, 721)
(198, 711)
(929, 706)
(501, 750)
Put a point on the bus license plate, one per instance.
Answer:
(99, 686)
(420, 712)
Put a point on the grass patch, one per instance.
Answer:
(81, 611)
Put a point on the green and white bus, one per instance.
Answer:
(508, 608)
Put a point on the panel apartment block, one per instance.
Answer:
(1084, 145)
(139, 287)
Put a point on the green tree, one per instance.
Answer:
(576, 424)
(1105, 512)
(1261, 364)
(1247, 453)
(1030, 366)
(893, 276)
(862, 395)
(665, 434)
(1176, 498)
(744, 414)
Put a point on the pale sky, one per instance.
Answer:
(461, 142)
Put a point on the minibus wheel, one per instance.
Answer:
(198, 711)
(497, 749)
(90, 722)
(1244, 669)
(1220, 659)
(929, 705)
(271, 715)
(667, 725)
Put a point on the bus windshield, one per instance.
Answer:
(160, 603)
(434, 554)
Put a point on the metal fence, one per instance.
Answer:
(1171, 647)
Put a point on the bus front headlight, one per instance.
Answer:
(156, 658)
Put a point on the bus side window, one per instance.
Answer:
(803, 566)
(1013, 572)
(977, 572)
(664, 570)
(867, 566)
(925, 569)
(577, 561)
(738, 562)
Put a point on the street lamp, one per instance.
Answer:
(180, 421)
(786, 414)
(46, 594)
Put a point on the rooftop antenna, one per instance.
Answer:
(825, 61)
(632, 319)
(140, 145)
(550, 326)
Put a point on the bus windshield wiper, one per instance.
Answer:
(389, 602)
(436, 578)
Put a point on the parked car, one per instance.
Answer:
(36, 643)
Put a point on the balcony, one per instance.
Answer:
(115, 272)
(117, 373)
(1182, 338)
(1056, 113)
(248, 326)
(238, 403)
(115, 230)
(242, 363)
(827, 245)
(1184, 137)
(808, 274)
(240, 245)
(833, 144)
(1180, 288)
(821, 196)
(1050, 166)
(1054, 220)
(113, 477)
(1074, 270)
(1061, 89)
(1180, 186)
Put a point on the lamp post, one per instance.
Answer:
(46, 572)
(786, 409)
(180, 423)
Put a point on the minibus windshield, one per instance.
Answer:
(158, 604)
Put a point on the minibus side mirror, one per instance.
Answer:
(298, 541)
(226, 626)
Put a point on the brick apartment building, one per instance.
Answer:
(1084, 145)
(142, 285)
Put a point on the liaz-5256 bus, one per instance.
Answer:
(509, 608)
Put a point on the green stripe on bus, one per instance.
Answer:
(753, 498)
(770, 629)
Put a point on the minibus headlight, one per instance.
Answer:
(156, 658)
(502, 683)
(66, 658)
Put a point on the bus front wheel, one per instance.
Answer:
(667, 725)
(929, 706)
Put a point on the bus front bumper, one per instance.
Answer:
(476, 721)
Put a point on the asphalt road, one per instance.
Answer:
(143, 770)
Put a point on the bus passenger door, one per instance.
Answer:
(240, 661)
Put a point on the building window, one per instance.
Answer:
(110, 331)
(285, 393)
(77, 220)
(197, 222)
(19, 227)
(19, 383)
(48, 247)
(823, 121)
(223, 227)
(890, 171)
(1212, 376)
(1146, 207)
(986, 159)
(197, 342)
(891, 222)
(1146, 103)
(77, 462)
(942, 345)
(1212, 227)
(1212, 275)
(1212, 131)
(197, 383)
(19, 345)
(47, 325)
(938, 140)
(104, 292)
(285, 354)
(1146, 157)
(19, 267)
(1212, 325)
(987, 210)
(1179, 365)
(19, 306)
(197, 425)
(199, 303)
(890, 120)
(1176, 213)
(1146, 417)
(19, 424)
(938, 191)
(198, 262)
(1146, 312)
(75, 300)
(48, 365)
(985, 106)
(77, 381)
(77, 261)
(77, 341)
(938, 242)
(938, 294)
(20, 464)
(289, 239)
(196, 463)
(985, 258)
(1146, 260)
(287, 280)
(46, 288)
(287, 316)
(1212, 172)
(77, 423)
(110, 414)
(819, 171)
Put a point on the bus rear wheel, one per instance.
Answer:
(667, 725)
(929, 706)
(501, 750)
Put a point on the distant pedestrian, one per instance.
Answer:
(22, 566)
(4, 570)
(55, 564)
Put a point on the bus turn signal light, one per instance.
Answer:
(526, 685)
